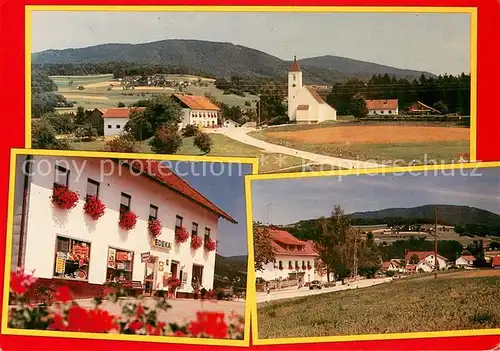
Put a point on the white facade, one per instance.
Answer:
(229, 123)
(427, 264)
(45, 223)
(199, 118)
(465, 261)
(394, 112)
(114, 125)
(272, 271)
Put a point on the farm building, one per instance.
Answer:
(465, 261)
(198, 111)
(419, 108)
(94, 117)
(68, 246)
(229, 123)
(382, 107)
(294, 258)
(115, 119)
(424, 261)
(393, 265)
(305, 105)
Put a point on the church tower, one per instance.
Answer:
(294, 86)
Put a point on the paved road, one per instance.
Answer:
(304, 291)
(241, 135)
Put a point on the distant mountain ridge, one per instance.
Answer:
(222, 60)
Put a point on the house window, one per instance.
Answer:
(109, 126)
(197, 276)
(125, 202)
(72, 259)
(61, 176)
(117, 126)
(207, 233)
(294, 77)
(280, 264)
(120, 264)
(92, 188)
(178, 222)
(194, 230)
(153, 212)
(390, 112)
(381, 112)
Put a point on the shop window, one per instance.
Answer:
(280, 264)
(125, 202)
(92, 188)
(72, 259)
(153, 212)
(194, 230)
(197, 276)
(120, 263)
(178, 222)
(61, 176)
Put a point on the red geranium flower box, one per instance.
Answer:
(128, 219)
(304, 267)
(309, 267)
(281, 268)
(181, 235)
(196, 242)
(290, 267)
(94, 207)
(210, 245)
(154, 227)
(63, 197)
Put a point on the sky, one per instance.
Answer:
(293, 200)
(224, 185)
(436, 43)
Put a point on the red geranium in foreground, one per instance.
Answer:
(181, 235)
(94, 207)
(63, 197)
(209, 324)
(128, 219)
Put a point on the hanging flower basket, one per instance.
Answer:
(64, 198)
(290, 267)
(297, 268)
(94, 207)
(181, 235)
(154, 227)
(281, 268)
(128, 219)
(210, 245)
(309, 267)
(196, 242)
(304, 267)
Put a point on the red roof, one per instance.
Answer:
(294, 67)
(420, 254)
(496, 261)
(468, 257)
(305, 248)
(411, 267)
(197, 102)
(386, 264)
(162, 174)
(382, 104)
(120, 112)
(315, 95)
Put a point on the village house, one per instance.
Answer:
(229, 123)
(419, 108)
(198, 111)
(382, 107)
(393, 265)
(465, 261)
(294, 258)
(94, 118)
(115, 119)
(305, 105)
(69, 247)
(424, 261)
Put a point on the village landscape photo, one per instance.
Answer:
(143, 247)
(373, 254)
(298, 91)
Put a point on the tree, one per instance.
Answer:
(138, 125)
(262, 246)
(121, 104)
(122, 143)
(167, 140)
(43, 136)
(86, 132)
(441, 107)
(414, 259)
(62, 123)
(190, 130)
(357, 106)
(81, 116)
(369, 257)
(203, 141)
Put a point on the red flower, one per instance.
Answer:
(20, 282)
(196, 242)
(94, 207)
(135, 325)
(179, 333)
(154, 227)
(140, 311)
(281, 268)
(304, 267)
(79, 319)
(211, 324)
(181, 235)
(63, 294)
(109, 291)
(210, 245)
(128, 219)
(309, 267)
(63, 197)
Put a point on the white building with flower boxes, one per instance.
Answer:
(294, 258)
(84, 222)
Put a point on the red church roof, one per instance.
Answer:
(294, 67)
(162, 174)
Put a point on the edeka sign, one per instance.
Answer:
(161, 244)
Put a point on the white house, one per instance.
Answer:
(294, 258)
(115, 119)
(71, 248)
(465, 261)
(393, 265)
(424, 261)
(229, 123)
(382, 107)
(198, 111)
(305, 105)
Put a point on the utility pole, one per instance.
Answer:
(356, 254)
(258, 113)
(436, 243)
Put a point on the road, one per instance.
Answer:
(241, 135)
(304, 291)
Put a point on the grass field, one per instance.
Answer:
(382, 143)
(222, 146)
(455, 301)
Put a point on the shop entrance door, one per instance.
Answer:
(150, 276)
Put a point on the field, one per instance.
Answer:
(102, 91)
(455, 301)
(222, 146)
(382, 143)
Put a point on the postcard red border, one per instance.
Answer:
(12, 107)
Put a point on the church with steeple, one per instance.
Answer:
(305, 105)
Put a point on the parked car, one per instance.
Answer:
(315, 284)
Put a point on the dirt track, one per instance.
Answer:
(374, 134)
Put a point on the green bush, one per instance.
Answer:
(86, 132)
(81, 87)
(167, 140)
(122, 143)
(279, 120)
(203, 141)
(189, 131)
